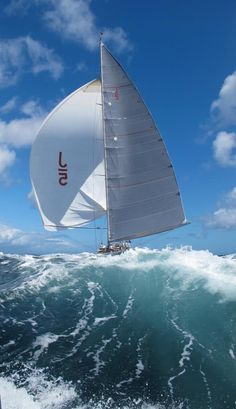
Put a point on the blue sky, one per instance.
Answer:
(181, 56)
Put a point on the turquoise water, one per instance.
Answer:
(146, 329)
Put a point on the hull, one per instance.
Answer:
(114, 249)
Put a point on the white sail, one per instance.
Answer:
(94, 186)
(142, 194)
(67, 151)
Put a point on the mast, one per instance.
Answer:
(105, 155)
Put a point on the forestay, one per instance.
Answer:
(142, 193)
(67, 168)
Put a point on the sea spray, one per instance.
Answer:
(146, 329)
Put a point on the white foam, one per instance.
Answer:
(128, 306)
(16, 398)
(39, 394)
(207, 386)
(43, 341)
(124, 382)
(185, 355)
(139, 365)
(139, 368)
(216, 274)
(99, 363)
(103, 320)
(10, 343)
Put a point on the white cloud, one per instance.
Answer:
(19, 132)
(17, 7)
(32, 108)
(15, 240)
(231, 196)
(74, 20)
(223, 109)
(8, 106)
(11, 61)
(43, 58)
(7, 233)
(7, 159)
(80, 66)
(24, 54)
(118, 37)
(224, 147)
(225, 216)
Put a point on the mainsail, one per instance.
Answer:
(142, 193)
(99, 152)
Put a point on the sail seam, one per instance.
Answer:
(122, 154)
(117, 86)
(145, 200)
(148, 232)
(122, 177)
(130, 133)
(146, 216)
(141, 183)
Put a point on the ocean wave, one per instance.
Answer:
(145, 329)
(184, 265)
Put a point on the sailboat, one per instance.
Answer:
(100, 153)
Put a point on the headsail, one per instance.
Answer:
(65, 156)
(142, 193)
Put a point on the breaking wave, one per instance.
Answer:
(146, 329)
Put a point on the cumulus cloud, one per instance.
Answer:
(25, 54)
(17, 7)
(17, 241)
(224, 148)
(231, 196)
(225, 216)
(118, 37)
(21, 132)
(8, 106)
(223, 109)
(74, 20)
(43, 58)
(80, 66)
(32, 108)
(7, 159)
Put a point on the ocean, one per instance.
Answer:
(150, 329)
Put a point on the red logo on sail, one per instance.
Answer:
(62, 171)
(117, 94)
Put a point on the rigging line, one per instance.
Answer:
(76, 227)
(93, 161)
(104, 149)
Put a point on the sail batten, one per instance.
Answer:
(142, 192)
